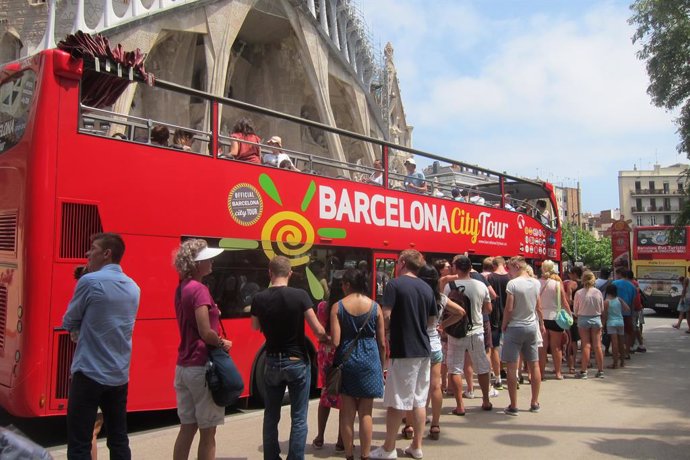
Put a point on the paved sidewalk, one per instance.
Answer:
(639, 412)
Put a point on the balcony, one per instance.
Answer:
(655, 192)
(653, 209)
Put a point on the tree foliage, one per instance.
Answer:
(663, 31)
(590, 251)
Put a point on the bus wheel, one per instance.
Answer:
(258, 388)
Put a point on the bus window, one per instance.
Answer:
(238, 275)
(385, 271)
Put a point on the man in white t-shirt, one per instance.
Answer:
(473, 343)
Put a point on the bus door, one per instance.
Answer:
(384, 270)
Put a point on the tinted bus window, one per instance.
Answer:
(16, 97)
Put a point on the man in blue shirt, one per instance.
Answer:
(414, 181)
(100, 318)
(627, 292)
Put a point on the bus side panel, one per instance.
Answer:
(154, 355)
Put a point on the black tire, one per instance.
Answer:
(258, 393)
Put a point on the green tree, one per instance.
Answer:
(590, 251)
(663, 31)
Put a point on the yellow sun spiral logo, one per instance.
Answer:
(290, 234)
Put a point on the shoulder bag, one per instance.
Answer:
(334, 374)
(222, 377)
(563, 318)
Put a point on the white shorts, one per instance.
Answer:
(194, 401)
(474, 345)
(407, 383)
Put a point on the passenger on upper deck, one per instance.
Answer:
(542, 214)
(160, 135)
(414, 181)
(508, 202)
(475, 198)
(276, 157)
(376, 177)
(244, 131)
(182, 140)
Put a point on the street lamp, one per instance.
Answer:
(575, 236)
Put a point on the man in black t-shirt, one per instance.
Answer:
(408, 307)
(279, 312)
(498, 281)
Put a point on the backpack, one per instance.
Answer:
(460, 328)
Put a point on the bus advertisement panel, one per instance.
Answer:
(658, 263)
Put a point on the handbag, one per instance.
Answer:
(222, 377)
(563, 318)
(334, 374)
(462, 326)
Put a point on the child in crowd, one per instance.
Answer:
(614, 307)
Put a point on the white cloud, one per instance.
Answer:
(555, 92)
(560, 71)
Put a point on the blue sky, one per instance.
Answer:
(548, 88)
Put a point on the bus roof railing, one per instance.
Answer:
(89, 64)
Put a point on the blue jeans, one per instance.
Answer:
(282, 372)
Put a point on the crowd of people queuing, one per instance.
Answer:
(407, 349)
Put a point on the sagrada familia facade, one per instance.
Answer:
(310, 58)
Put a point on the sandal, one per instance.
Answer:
(487, 408)
(317, 443)
(408, 432)
(458, 413)
(434, 432)
(339, 447)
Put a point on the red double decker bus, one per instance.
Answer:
(660, 258)
(68, 170)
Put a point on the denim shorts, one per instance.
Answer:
(589, 322)
(615, 330)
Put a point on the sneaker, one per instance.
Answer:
(641, 350)
(581, 375)
(503, 374)
(600, 374)
(498, 385)
(535, 408)
(511, 411)
(468, 394)
(493, 393)
(380, 452)
(414, 453)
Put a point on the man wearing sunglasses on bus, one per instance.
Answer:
(100, 318)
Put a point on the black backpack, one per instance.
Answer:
(460, 328)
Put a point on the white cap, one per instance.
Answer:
(410, 161)
(207, 253)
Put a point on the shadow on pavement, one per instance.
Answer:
(639, 448)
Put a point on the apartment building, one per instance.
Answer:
(652, 197)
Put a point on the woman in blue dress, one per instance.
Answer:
(363, 368)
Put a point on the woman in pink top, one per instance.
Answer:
(550, 291)
(588, 307)
(198, 319)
